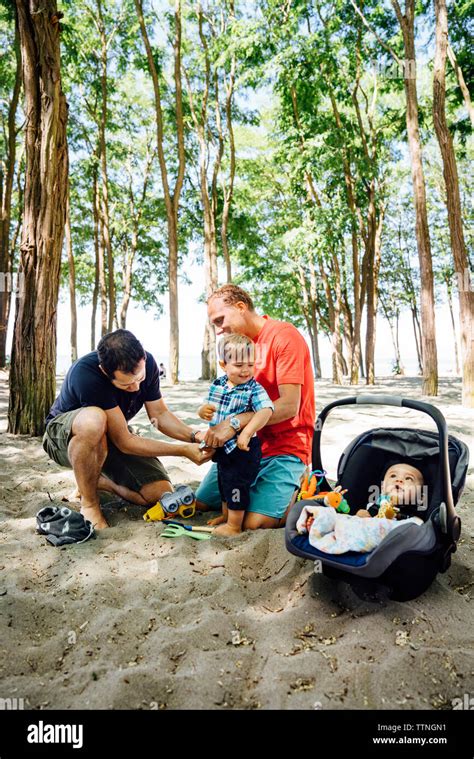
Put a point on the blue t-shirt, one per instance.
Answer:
(86, 385)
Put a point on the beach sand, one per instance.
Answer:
(131, 620)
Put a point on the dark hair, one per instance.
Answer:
(119, 350)
(232, 294)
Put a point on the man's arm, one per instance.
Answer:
(287, 405)
(126, 442)
(166, 422)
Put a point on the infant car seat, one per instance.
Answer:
(408, 559)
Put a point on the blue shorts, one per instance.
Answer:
(270, 492)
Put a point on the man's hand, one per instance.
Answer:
(206, 411)
(243, 441)
(216, 436)
(199, 435)
(195, 454)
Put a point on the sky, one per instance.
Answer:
(154, 333)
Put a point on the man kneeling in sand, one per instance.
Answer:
(86, 428)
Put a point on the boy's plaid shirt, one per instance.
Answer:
(229, 401)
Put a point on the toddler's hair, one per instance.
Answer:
(235, 347)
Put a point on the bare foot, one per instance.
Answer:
(217, 520)
(94, 515)
(74, 495)
(227, 531)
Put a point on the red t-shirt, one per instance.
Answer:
(282, 358)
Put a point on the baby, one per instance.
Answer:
(401, 486)
(335, 533)
(238, 460)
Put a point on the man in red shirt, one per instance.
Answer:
(283, 367)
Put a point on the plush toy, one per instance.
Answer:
(334, 498)
(386, 508)
(310, 485)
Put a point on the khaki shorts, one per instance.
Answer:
(133, 472)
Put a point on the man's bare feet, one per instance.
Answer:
(217, 520)
(227, 531)
(94, 515)
(73, 496)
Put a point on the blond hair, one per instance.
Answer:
(236, 347)
(232, 294)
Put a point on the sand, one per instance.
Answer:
(131, 620)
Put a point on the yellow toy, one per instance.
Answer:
(386, 508)
(179, 503)
(308, 488)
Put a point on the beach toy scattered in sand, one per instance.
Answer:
(181, 530)
(180, 503)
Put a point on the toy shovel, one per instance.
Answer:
(175, 531)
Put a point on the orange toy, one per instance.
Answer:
(308, 488)
(334, 498)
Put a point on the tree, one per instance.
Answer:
(453, 201)
(406, 21)
(172, 195)
(210, 78)
(11, 77)
(32, 379)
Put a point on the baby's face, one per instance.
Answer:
(403, 482)
(239, 367)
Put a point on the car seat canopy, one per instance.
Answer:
(365, 460)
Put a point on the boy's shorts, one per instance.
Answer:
(270, 492)
(132, 472)
(235, 473)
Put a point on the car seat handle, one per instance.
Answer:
(381, 400)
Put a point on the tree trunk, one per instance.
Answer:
(171, 197)
(102, 280)
(374, 242)
(208, 199)
(398, 354)
(334, 311)
(72, 284)
(95, 294)
(315, 343)
(462, 83)
(313, 333)
(127, 288)
(6, 190)
(456, 233)
(453, 325)
(104, 206)
(417, 333)
(229, 189)
(209, 366)
(32, 378)
(428, 327)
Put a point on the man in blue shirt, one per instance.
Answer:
(87, 430)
